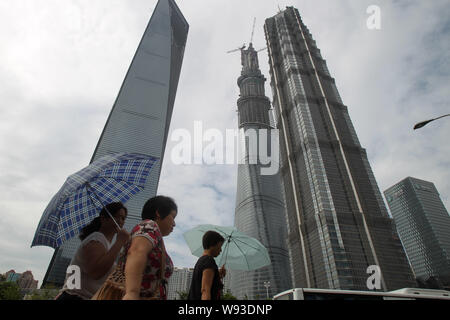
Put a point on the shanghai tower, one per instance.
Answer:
(338, 224)
(260, 211)
(140, 117)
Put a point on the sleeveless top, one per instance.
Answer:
(89, 285)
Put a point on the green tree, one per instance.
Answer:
(50, 286)
(10, 291)
(44, 294)
(183, 295)
(228, 296)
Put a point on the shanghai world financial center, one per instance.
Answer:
(140, 118)
(337, 222)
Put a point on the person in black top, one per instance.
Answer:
(206, 280)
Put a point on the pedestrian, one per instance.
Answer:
(207, 278)
(96, 255)
(144, 266)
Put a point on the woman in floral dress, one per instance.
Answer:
(143, 258)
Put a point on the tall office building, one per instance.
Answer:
(180, 281)
(260, 211)
(423, 224)
(140, 118)
(25, 281)
(338, 224)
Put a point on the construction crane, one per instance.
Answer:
(253, 30)
(251, 40)
(241, 48)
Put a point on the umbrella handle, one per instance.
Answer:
(110, 215)
(107, 211)
(228, 247)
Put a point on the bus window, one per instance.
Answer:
(287, 296)
(338, 296)
(397, 298)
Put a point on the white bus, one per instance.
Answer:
(331, 294)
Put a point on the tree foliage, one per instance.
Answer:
(183, 295)
(10, 291)
(51, 287)
(44, 294)
(228, 296)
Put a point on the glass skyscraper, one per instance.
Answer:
(140, 118)
(260, 211)
(423, 224)
(338, 224)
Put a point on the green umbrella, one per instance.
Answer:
(239, 252)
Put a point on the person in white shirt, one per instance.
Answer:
(96, 255)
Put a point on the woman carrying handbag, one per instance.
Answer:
(144, 266)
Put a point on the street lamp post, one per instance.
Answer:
(267, 285)
(424, 123)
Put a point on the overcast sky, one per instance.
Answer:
(62, 63)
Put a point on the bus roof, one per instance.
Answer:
(401, 293)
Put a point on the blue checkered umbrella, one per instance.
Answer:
(111, 178)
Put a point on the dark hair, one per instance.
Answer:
(164, 206)
(95, 224)
(211, 238)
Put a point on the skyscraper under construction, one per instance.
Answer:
(260, 211)
(338, 224)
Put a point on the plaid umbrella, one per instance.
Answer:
(111, 178)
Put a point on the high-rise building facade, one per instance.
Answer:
(25, 281)
(140, 118)
(423, 224)
(179, 282)
(260, 211)
(338, 224)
